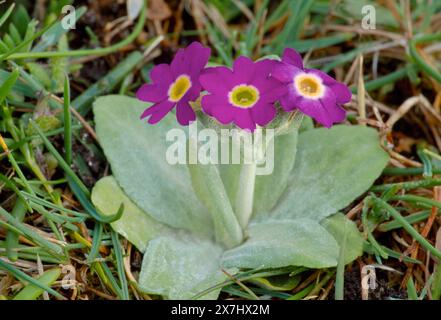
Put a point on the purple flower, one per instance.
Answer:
(312, 91)
(244, 95)
(175, 85)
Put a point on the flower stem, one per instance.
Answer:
(245, 195)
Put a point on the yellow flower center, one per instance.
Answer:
(243, 96)
(179, 88)
(308, 85)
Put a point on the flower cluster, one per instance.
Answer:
(245, 95)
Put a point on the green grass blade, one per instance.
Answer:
(6, 87)
(83, 102)
(55, 32)
(6, 15)
(19, 212)
(406, 226)
(29, 233)
(24, 277)
(299, 10)
(32, 292)
(67, 169)
(67, 122)
(96, 242)
(419, 61)
(120, 265)
(411, 290)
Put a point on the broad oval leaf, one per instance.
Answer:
(269, 188)
(337, 225)
(208, 186)
(134, 225)
(180, 266)
(333, 167)
(137, 154)
(276, 244)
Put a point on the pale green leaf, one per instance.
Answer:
(134, 225)
(269, 188)
(208, 186)
(137, 153)
(275, 244)
(333, 167)
(181, 266)
(230, 177)
(337, 225)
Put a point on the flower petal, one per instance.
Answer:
(213, 106)
(185, 113)
(244, 120)
(177, 65)
(217, 80)
(342, 92)
(263, 113)
(268, 86)
(158, 111)
(198, 56)
(285, 72)
(193, 93)
(292, 57)
(265, 66)
(161, 74)
(272, 91)
(190, 60)
(243, 70)
(324, 110)
(152, 93)
(289, 101)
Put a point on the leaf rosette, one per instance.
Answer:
(185, 218)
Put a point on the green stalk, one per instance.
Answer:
(87, 52)
(417, 200)
(245, 194)
(382, 81)
(67, 122)
(408, 171)
(412, 218)
(426, 183)
(25, 43)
